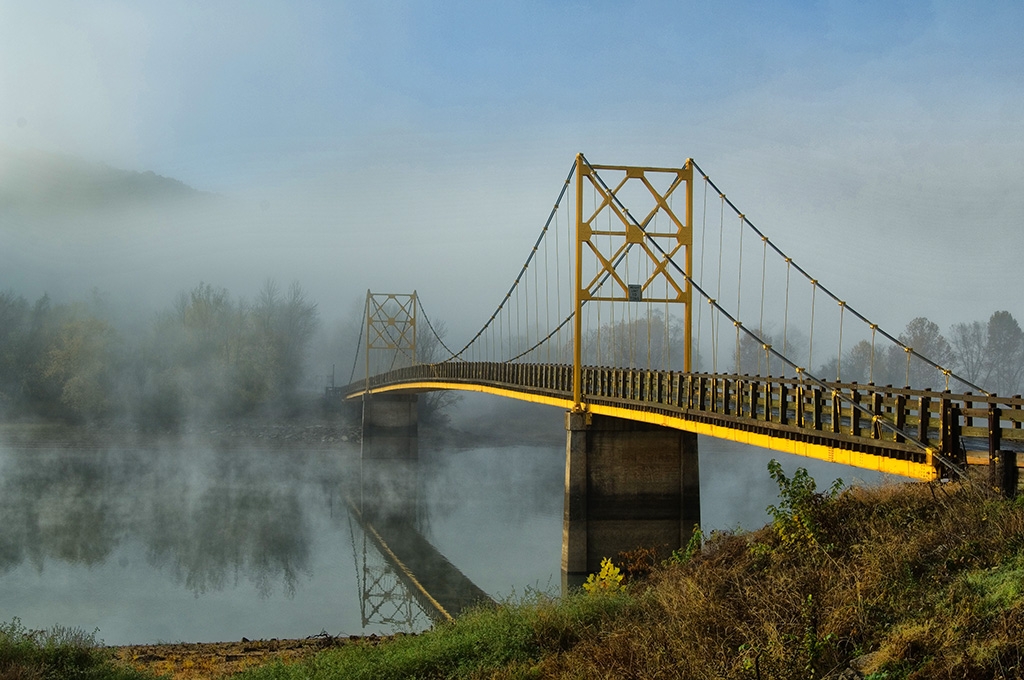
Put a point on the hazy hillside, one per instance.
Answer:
(38, 184)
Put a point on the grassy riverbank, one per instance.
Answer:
(912, 581)
(901, 581)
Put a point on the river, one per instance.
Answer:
(180, 541)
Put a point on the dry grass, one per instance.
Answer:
(929, 578)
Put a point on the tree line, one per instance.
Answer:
(208, 355)
(987, 354)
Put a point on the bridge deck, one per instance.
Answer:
(913, 433)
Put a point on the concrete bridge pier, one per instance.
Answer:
(627, 485)
(389, 457)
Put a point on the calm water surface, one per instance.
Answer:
(185, 543)
(178, 543)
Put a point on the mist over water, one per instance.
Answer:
(177, 540)
(183, 542)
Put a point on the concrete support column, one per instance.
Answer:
(627, 485)
(389, 457)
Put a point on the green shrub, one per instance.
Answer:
(56, 654)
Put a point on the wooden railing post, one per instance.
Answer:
(754, 399)
(924, 405)
(855, 412)
(783, 404)
(995, 432)
(876, 410)
(901, 417)
(816, 396)
(800, 397)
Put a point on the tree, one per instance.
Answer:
(922, 336)
(637, 343)
(14, 320)
(81, 362)
(968, 343)
(859, 365)
(283, 326)
(1005, 353)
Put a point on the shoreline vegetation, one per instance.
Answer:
(907, 580)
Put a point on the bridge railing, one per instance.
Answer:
(871, 418)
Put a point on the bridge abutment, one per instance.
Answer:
(627, 485)
(389, 456)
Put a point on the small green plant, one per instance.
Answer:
(65, 653)
(794, 517)
(608, 580)
(693, 547)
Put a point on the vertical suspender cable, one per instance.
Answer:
(810, 341)
(739, 296)
(785, 317)
(547, 295)
(700, 274)
(558, 287)
(715, 328)
(839, 358)
(714, 336)
(760, 323)
(537, 307)
(871, 363)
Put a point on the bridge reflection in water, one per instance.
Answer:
(403, 577)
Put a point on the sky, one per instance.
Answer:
(419, 145)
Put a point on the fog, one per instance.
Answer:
(400, 148)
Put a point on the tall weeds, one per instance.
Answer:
(928, 578)
(56, 654)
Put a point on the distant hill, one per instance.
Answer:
(34, 183)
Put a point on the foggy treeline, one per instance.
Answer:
(989, 354)
(207, 356)
(210, 355)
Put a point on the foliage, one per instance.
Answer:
(692, 549)
(795, 518)
(639, 563)
(215, 356)
(206, 355)
(504, 641)
(919, 581)
(608, 580)
(56, 654)
(1004, 351)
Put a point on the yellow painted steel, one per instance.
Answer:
(629, 233)
(390, 324)
(831, 454)
(577, 320)
(430, 385)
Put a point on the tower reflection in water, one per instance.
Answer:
(404, 581)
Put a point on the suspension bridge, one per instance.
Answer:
(651, 309)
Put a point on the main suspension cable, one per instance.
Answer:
(832, 295)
